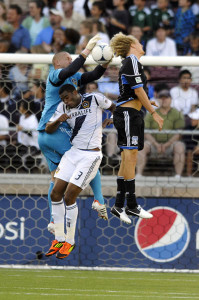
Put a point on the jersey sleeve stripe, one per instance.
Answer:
(135, 65)
(132, 75)
(136, 86)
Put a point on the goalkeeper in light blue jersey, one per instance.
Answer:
(54, 145)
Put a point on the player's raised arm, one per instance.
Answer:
(95, 74)
(72, 67)
(92, 75)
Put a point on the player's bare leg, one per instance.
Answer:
(142, 158)
(130, 160)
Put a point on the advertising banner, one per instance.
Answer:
(170, 240)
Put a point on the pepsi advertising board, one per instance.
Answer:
(165, 237)
(170, 240)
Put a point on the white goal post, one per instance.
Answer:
(162, 61)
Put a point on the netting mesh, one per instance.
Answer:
(24, 85)
(169, 241)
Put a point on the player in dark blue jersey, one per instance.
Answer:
(53, 146)
(129, 123)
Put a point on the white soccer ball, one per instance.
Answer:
(102, 53)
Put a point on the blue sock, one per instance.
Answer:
(97, 188)
(49, 199)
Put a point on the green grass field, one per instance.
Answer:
(63, 284)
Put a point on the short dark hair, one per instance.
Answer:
(39, 4)
(191, 1)
(17, 8)
(72, 35)
(161, 26)
(183, 72)
(101, 5)
(68, 88)
(161, 86)
(93, 82)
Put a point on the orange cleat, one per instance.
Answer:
(55, 247)
(65, 250)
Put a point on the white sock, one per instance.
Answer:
(71, 220)
(58, 213)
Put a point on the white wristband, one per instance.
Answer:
(86, 52)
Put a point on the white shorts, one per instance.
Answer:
(78, 166)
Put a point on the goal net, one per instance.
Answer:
(170, 240)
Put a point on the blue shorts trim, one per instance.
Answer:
(122, 102)
(129, 147)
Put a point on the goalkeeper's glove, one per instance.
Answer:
(91, 44)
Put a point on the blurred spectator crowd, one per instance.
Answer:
(165, 28)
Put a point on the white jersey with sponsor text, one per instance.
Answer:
(86, 120)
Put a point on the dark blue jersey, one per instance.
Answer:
(131, 77)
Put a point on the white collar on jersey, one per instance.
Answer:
(133, 56)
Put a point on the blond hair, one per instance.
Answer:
(121, 43)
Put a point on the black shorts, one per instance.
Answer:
(130, 127)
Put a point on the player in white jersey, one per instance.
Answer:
(79, 165)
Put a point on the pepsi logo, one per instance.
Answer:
(163, 238)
